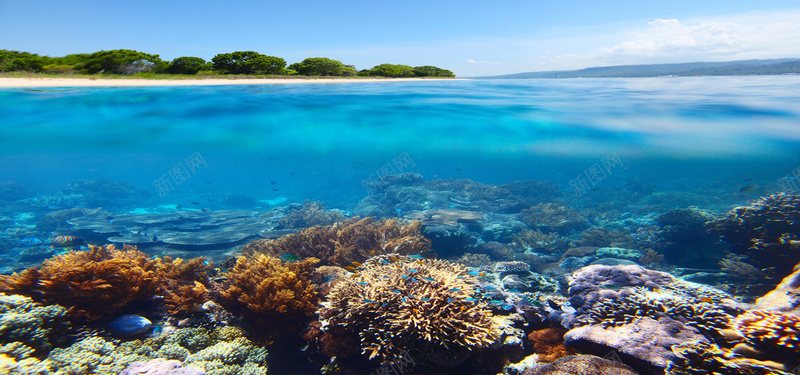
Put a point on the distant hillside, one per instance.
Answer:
(730, 68)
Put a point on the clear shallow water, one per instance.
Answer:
(320, 141)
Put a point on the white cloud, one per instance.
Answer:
(752, 36)
(471, 61)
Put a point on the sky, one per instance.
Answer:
(468, 37)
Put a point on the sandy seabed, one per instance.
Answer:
(133, 82)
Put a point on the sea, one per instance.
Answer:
(614, 149)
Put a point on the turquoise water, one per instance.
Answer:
(320, 141)
(201, 171)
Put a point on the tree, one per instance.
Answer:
(187, 65)
(247, 62)
(432, 71)
(122, 61)
(321, 66)
(21, 61)
(392, 70)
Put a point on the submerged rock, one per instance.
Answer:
(129, 325)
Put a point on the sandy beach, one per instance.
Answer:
(133, 82)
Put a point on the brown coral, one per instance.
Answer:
(185, 284)
(397, 303)
(537, 241)
(104, 279)
(548, 344)
(342, 243)
(272, 294)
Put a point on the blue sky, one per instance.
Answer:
(469, 37)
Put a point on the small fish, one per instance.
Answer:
(489, 287)
(289, 258)
(362, 283)
(367, 300)
(384, 261)
(748, 188)
(412, 270)
(155, 238)
(424, 299)
(535, 302)
(482, 274)
(372, 252)
(357, 264)
(109, 218)
(706, 299)
(415, 256)
(454, 290)
(553, 305)
(274, 189)
(209, 182)
(610, 287)
(204, 210)
(350, 268)
(428, 279)
(404, 277)
(394, 259)
(129, 325)
(195, 203)
(66, 241)
(449, 300)
(208, 199)
(404, 299)
(472, 273)
(395, 291)
(328, 278)
(30, 241)
(459, 169)
(470, 299)
(460, 277)
(496, 302)
(255, 180)
(292, 173)
(273, 182)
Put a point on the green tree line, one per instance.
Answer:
(130, 62)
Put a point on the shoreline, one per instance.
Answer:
(139, 82)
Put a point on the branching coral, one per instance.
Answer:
(735, 267)
(603, 237)
(702, 358)
(348, 241)
(104, 279)
(271, 293)
(309, 215)
(92, 283)
(553, 217)
(396, 304)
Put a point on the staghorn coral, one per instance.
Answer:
(396, 304)
(764, 232)
(27, 323)
(340, 244)
(651, 258)
(735, 267)
(553, 217)
(104, 279)
(308, 215)
(272, 294)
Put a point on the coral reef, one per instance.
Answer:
(103, 280)
(160, 366)
(308, 215)
(33, 325)
(548, 344)
(340, 244)
(770, 330)
(735, 267)
(581, 365)
(402, 179)
(765, 232)
(553, 217)
(785, 297)
(702, 358)
(538, 242)
(605, 237)
(396, 303)
(274, 295)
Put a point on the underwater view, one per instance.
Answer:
(643, 225)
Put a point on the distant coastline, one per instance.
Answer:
(12, 82)
(728, 68)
